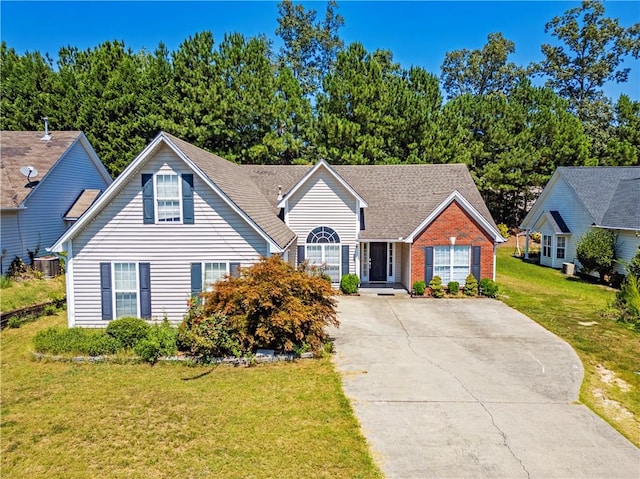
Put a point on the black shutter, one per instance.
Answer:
(105, 288)
(362, 227)
(475, 262)
(345, 259)
(428, 264)
(147, 199)
(300, 254)
(234, 270)
(187, 199)
(196, 279)
(145, 290)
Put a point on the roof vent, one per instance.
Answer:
(279, 198)
(46, 136)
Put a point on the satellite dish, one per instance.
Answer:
(29, 172)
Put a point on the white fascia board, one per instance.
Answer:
(323, 164)
(468, 207)
(109, 193)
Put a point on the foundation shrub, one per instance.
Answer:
(489, 287)
(435, 285)
(90, 342)
(207, 336)
(159, 342)
(128, 331)
(274, 305)
(470, 286)
(419, 287)
(453, 287)
(349, 283)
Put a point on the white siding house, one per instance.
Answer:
(160, 234)
(577, 199)
(33, 210)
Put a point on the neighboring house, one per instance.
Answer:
(179, 218)
(64, 176)
(577, 199)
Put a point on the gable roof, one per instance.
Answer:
(25, 148)
(610, 195)
(224, 177)
(400, 197)
(79, 207)
(596, 187)
(555, 220)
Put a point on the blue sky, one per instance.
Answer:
(418, 33)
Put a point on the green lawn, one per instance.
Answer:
(19, 294)
(609, 351)
(63, 420)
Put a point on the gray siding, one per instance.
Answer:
(41, 224)
(627, 248)
(323, 201)
(118, 234)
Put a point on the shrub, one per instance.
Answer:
(92, 342)
(535, 237)
(627, 302)
(206, 337)
(419, 287)
(160, 341)
(274, 305)
(453, 287)
(435, 285)
(470, 286)
(634, 265)
(128, 331)
(504, 230)
(489, 287)
(16, 268)
(596, 251)
(349, 283)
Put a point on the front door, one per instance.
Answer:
(378, 271)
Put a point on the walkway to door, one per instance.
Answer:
(470, 388)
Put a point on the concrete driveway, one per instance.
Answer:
(470, 388)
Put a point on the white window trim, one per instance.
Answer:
(114, 289)
(549, 247)
(324, 260)
(564, 248)
(452, 260)
(391, 257)
(208, 287)
(365, 261)
(156, 206)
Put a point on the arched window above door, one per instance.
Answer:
(323, 234)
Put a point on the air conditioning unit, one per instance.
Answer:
(568, 268)
(49, 266)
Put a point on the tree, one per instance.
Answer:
(596, 251)
(594, 48)
(480, 72)
(310, 47)
(623, 147)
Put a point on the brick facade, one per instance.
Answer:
(453, 221)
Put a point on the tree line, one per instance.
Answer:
(318, 98)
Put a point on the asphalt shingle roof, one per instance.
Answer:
(25, 148)
(82, 204)
(611, 195)
(400, 197)
(238, 187)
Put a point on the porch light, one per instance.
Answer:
(452, 240)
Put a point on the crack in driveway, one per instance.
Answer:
(476, 399)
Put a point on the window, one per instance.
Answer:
(561, 247)
(125, 283)
(546, 246)
(452, 263)
(323, 249)
(168, 198)
(213, 272)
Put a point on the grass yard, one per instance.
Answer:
(19, 294)
(609, 351)
(63, 420)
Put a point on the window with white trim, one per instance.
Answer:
(452, 263)
(125, 287)
(323, 249)
(546, 246)
(168, 198)
(212, 273)
(561, 247)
